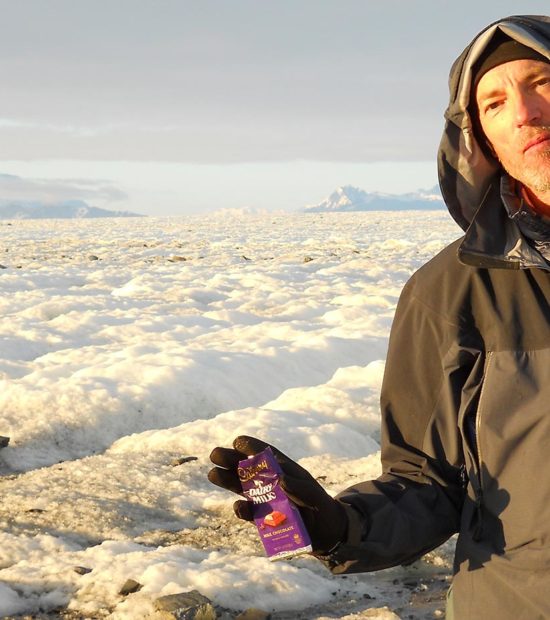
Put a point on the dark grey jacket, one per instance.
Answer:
(466, 394)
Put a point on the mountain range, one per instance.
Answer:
(350, 198)
(67, 209)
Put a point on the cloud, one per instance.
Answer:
(76, 130)
(212, 82)
(15, 188)
(366, 139)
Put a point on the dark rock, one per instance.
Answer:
(185, 606)
(183, 459)
(82, 570)
(308, 259)
(130, 586)
(253, 614)
(4, 441)
(93, 257)
(3, 267)
(177, 259)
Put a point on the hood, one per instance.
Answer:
(466, 171)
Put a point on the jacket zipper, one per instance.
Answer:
(478, 528)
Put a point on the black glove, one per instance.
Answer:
(324, 517)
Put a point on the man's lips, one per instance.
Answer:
(536, 140)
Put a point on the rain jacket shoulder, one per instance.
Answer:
(466, 393)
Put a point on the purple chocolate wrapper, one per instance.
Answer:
(279, 522)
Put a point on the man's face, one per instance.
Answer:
(513, 100)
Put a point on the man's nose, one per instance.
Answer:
(527, 109)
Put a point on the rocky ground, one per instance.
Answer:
(415, 592)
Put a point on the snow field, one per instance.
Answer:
(126, 344)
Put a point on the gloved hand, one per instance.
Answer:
(324, 517)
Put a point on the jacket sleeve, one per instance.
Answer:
(416, 504)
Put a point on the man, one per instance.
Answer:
(466, 392)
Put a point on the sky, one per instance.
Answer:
(172, 107)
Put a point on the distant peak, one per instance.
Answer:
(66, 209)
(351, 198)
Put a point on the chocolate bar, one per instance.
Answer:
(278, 520)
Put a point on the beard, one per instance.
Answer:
(536, 175)
(532, 170)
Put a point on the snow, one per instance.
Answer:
(126, 344)
(350, 198)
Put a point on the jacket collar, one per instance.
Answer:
(494, 239)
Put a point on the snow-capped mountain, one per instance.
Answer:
(76, 209)
(349, 198)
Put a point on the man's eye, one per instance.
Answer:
(493, 105)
